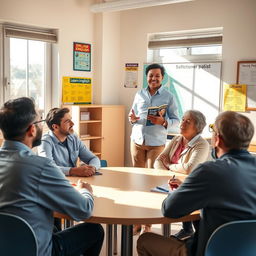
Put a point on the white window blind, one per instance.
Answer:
(44, 35)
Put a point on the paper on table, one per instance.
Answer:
(164, 188)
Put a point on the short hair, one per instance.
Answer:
(54, 116)
(16, 116)
(235, 129)
(199, 118)
(155, 66)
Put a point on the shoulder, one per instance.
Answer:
(37, 162)
(203, 142)
(47, 137)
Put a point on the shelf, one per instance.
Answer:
(90, 121)
(91, 138)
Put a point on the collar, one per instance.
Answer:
(235, 152)
(15, 145)
(159, 91)
(54, 138)
(192, 142)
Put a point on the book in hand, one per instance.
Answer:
(155, 111)
(164, 188)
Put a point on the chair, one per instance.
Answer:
(236, 238)
(103, 163)
(16, 236)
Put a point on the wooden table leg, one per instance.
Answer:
(127, 239)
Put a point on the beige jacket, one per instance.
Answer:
(197, 152)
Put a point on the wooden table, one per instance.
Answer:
(122, 196)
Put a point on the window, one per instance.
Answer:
(193, 69)
(27, 64)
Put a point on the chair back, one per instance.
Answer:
(103, 163)
(236, 238)
(16, 236)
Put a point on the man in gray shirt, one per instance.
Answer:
(63, 147)
(33, 187)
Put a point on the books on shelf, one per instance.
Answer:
(164, 188)
(156, 111)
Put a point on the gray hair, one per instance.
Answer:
(199, 119)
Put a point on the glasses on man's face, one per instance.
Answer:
(40, 121)
(211, 128)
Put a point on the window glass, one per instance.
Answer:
(27, 70)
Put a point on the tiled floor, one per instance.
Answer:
(175, 227)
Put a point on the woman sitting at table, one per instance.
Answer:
(184, 152)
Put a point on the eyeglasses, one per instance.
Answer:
(211, 128)
(37, 122)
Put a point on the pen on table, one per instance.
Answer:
(162, 189)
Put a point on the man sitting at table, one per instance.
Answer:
(224, 189)
(33, 187)
(63, 147)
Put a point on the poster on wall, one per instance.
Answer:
(194, 85)
(234, 97)
(77, 90)
(246, 74)
(81, 57)
(131, 75)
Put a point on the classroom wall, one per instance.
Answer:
(237, 18)
(73, 20)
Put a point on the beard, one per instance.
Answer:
(37, 140)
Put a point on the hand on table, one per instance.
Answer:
(83, 171)
(81, 184)
(174, 183)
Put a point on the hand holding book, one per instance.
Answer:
(156, 115)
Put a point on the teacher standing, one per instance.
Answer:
(147, 142)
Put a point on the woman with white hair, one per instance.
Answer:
(185, 152)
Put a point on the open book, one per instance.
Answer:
(155, 111)
(164, 188)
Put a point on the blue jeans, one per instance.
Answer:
(81, 239)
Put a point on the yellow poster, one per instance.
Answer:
(76, 90)
(235, 97)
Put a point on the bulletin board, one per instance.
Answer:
(246, 74)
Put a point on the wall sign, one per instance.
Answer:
(81, 56)
(246, 74)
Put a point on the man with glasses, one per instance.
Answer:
(63, 147)
(224, 189)
(33, 187)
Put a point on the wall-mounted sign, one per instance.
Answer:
(82, 57)
(131, 75)
(76, 90)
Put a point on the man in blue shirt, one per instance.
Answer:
(33, 187)
(224, 190)
(147, 142)
(63, 147)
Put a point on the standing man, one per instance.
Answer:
(63, 147)
(33, 187)
(223, 189)
(147, 142)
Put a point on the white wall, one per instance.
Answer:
(238, 19)
(71, 17)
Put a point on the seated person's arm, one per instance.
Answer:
(199, 155)
(91, 162)
(163, 160)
